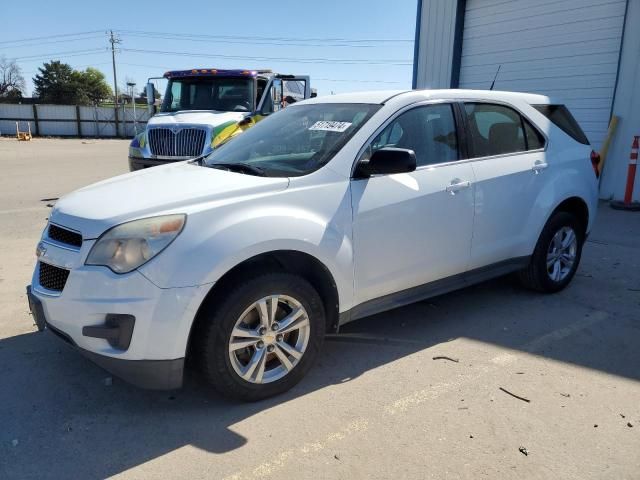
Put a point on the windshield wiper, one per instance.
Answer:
(241, 167)
(199, 159)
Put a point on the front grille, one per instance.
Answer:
(186, 142)
(53, 278)
(63, 235)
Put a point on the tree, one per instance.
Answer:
(56, 83)
(60, 84)
(12, 84)
(94, 85)
(143, 93)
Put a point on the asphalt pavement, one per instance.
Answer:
(489, 382)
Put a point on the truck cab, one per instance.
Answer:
(203, 108)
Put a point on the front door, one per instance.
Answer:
(282, 91)
(413, 228)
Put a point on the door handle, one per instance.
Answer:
(538, 166)
(456, 185)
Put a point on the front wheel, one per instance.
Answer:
(263, 337)
(557, 254)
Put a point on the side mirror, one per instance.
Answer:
(151, 97)
(387, 161)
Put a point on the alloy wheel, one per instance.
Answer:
(269, 339)
(561, 254)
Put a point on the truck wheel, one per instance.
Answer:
(263, 337)
(557, 254)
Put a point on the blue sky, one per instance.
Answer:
(347, 45)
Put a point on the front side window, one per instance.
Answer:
(209, 93)
(495, 129)
(430, 131)
(294, 141)
(287, 93)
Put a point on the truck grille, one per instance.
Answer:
(63, 235)
(186, 142)
(53, 278)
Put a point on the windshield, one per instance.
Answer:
(209, 93)
(295, 141)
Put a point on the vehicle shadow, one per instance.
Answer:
(62, 417)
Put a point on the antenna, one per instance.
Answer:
(495, 78)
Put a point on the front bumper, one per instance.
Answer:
(150, 374)
(137, 163)
(95, 309)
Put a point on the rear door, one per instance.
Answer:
(413, 228)
(509, 165)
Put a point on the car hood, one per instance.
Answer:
(171, 188)
(196, 117)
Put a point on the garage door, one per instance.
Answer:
(567, 49)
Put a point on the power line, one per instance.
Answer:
(32, 72)
(54, 41)
(51, 36)
(162, 67)
(324, 40)
(347, 80)
(70, 53)
(91, 64)
(341, 61)
(244, 41)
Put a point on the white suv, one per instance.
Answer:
(331, 210)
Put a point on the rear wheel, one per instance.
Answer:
(263, 338)
(557, 254)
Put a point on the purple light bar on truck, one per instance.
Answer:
(200, 72)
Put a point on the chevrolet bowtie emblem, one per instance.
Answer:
(41, 250)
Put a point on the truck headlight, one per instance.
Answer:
(130, 245)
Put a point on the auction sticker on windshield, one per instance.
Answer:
(329, 126)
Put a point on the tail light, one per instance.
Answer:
(595, 162)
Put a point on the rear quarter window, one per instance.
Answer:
(562, 118)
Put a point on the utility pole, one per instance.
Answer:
(114, 40)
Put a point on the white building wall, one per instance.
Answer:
(572, 50)
(627, 108)
(566, 49)
(436, 36)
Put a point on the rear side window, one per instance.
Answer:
(535, 140)
(495, 129)
(562, 118)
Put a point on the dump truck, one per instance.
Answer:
(203, 108)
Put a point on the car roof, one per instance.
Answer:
(409, 96)
(377, 96)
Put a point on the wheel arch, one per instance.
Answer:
(571, 203)
(576, 206)
(289, 261)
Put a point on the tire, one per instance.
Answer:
(222, 368)
(537, 275)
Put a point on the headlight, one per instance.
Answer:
(127, 246)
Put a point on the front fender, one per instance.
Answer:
(207, 249)
(138, 145)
